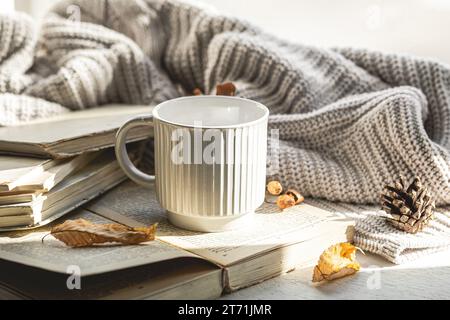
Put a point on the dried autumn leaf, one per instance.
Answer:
(336, 262)
(197, 92)
(83, 233)
(226, 89)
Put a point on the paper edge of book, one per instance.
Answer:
(43, 148)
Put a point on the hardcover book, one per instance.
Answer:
(72, 133)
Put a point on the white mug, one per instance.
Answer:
(210, 160)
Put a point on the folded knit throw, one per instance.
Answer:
(349, 120)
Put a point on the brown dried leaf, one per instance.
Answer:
(83, 233)
(197, 92)
(336, 262)
(226, 89)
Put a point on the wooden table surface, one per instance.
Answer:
(428, 278)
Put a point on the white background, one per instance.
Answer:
(420, 27)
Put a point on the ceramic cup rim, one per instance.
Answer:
(240, 101)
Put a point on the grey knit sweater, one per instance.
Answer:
(349, 120)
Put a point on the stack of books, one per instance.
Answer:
(48, 168)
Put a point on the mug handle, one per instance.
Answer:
(122, 155)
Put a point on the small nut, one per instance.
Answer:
(285, 201)
(274, 188)
(296, 195)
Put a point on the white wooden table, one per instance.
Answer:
(428, 278)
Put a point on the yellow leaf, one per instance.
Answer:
(337, 261)
(83, 233)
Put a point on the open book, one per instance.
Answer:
(72, 133)
(178, 265)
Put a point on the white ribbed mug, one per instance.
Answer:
(210, 160)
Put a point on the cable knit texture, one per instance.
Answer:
(349, 120)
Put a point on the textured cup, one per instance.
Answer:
(210, 160)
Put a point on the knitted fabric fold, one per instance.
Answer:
(373, 234)
(376, 236)
(349, 120)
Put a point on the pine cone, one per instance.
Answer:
(411, 208)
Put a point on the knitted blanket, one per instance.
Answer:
(349, 120)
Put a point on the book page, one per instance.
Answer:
(27, 248)
(14, 163)
(13, 168)
(47, 179)
(346, 209)
(73, 125)
(271, 229)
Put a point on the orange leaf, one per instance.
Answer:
(336, 262)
